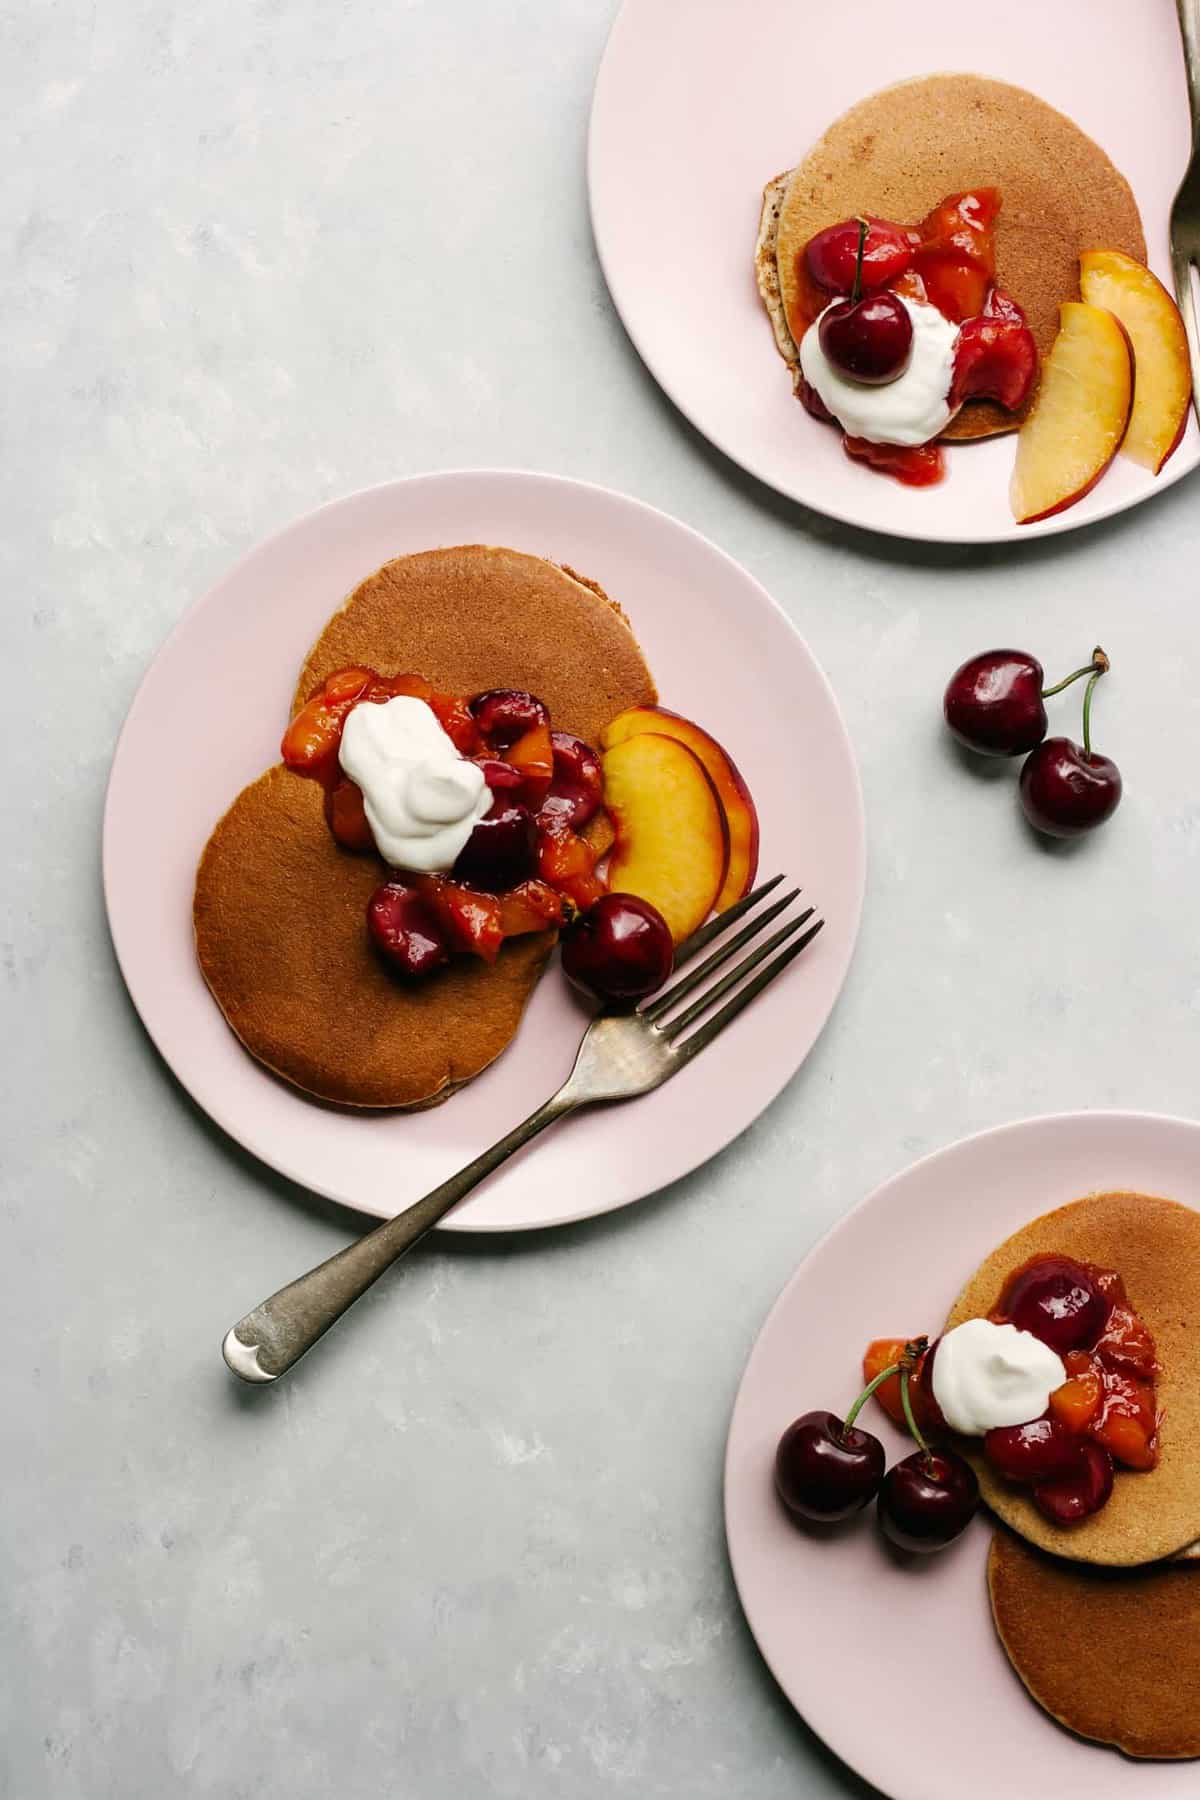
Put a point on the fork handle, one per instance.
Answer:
(1189, 29)
(264, 1345)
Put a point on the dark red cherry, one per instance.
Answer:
(993, 703)
(832, 254)
(824, 1472)
(1042, 1450)
(501, 851)
(578, 785)
(505, 714)
(404, 931)
(1057, 1300)
(870, 340)
(621, 949)
(927, 1500)
(1084, 1491)
(1067, 790)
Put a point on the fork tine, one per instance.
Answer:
(714, 1026)
(721, 954)
(692, 946)
(1181, 267)
(673, 1027)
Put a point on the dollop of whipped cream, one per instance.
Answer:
(910, 410)
(422, 799)
(987, 1375)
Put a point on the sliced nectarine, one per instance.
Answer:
(1162, 374)
(1079, 417)
(672, 845)
(734, 795)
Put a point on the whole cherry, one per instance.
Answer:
(993, 703)
(825, 1469)
(928, 1500)
(620, 950)
(868, 336)
(1068, 789)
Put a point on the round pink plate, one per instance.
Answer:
(697, 107)
(722, 653)
(894, 1661)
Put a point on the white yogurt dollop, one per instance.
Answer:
(910, 410)
(987, 1375)
(422, 799)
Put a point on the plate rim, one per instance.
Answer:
(466, 1226)
(1181, 464)
(1073, 1117)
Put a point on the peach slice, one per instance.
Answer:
(1162, 374)
(1080, 415)
(672, 845)
(734, 795)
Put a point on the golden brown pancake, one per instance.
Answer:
(280, 909)
(901, 151)
(1112, 1654)
(1155, 1245)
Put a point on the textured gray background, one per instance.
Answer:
(256, 255)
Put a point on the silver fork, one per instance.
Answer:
(1185, 213)
(623, 1054)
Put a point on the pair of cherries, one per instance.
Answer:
(995, 705)
(827, 1470)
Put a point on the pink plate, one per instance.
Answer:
(696, 108)
(840, 1621)
(722, 653)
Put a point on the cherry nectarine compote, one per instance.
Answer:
(1104, 1415)
(523, 868)
(867, 281)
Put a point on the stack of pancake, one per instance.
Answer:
(280, 908)
(899, 153)
(1101, 1620)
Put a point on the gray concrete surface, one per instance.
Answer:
(255, 256)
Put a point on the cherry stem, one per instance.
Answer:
(1098, 665)
(883, 1375)
(856, 294)
(910, 1421)
(1101, 665)
(909, 1357)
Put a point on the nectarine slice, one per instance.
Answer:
(1162, 374)
(672, 842)
(1080, 415)
(734, 795)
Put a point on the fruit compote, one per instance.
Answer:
(1105, 1414)
(947, 261)
(1109, 1399)
(525, 868)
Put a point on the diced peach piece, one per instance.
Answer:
(672, 842)
(1079, 417)
(740, 814)
(1162, 374)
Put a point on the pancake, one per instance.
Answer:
(1112, 1654)
(279, 908)
(901, 151)
(1155, 1245)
